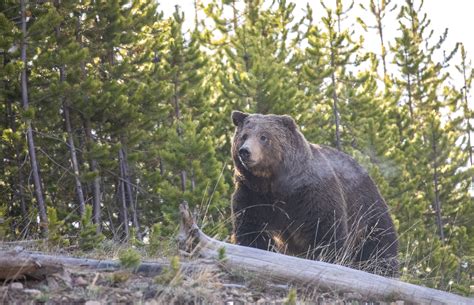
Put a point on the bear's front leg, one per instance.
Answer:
(249, 228)
(251, 235)
(319, 232)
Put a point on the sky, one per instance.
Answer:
(457, 16)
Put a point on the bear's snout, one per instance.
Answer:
(249, 153)
(244, 153)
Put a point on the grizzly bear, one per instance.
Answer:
(305, 199)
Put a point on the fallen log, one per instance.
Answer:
(320, 275)
(16, 264)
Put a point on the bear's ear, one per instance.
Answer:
(238, 117)
(288, 122)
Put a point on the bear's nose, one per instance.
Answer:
(244, 153)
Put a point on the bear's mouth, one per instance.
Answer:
(254, 169)
(247, 164)
(243, 163)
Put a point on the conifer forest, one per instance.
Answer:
(113, 113)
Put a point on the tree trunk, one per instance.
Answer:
(129, 193)
(123, 197)
(378, 10)
(436, 203)
(162, 167)
(335, 97)
(72, 147)
(183, 180)
(193, 182)
(94, 168)
(196, 17)
(234, 15)
(136, 223)
(29, 130)
(177, 113)
(313, 274)
(467, 114)
(410, 95)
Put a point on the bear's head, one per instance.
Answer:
(263, 143)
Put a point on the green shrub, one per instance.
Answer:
(129, 258)
(89, 238)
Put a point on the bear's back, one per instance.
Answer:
(362, 197)
(343, 165)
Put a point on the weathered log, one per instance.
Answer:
(320, 275)
(18, 264)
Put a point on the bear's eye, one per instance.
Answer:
(264, 139)
(244, 137)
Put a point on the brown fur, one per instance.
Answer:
(307, 200)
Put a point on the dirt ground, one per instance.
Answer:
(208, 284)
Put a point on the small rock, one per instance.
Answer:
(122, 298)
(92, 303)
(16, 286)
(81, 282)
(32, 292)
(140, 285)
(52, 283)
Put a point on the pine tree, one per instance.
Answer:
(379, 10)
(314, 81)
(340, 50)
(69, 54)
(461, 207)
(119, 32)
(410, 57)
(190, 169)
(11, 144)
(340, 95)
(86, 100)
(256, 77)
(29, 129)
(431, 149)
(467, 72)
